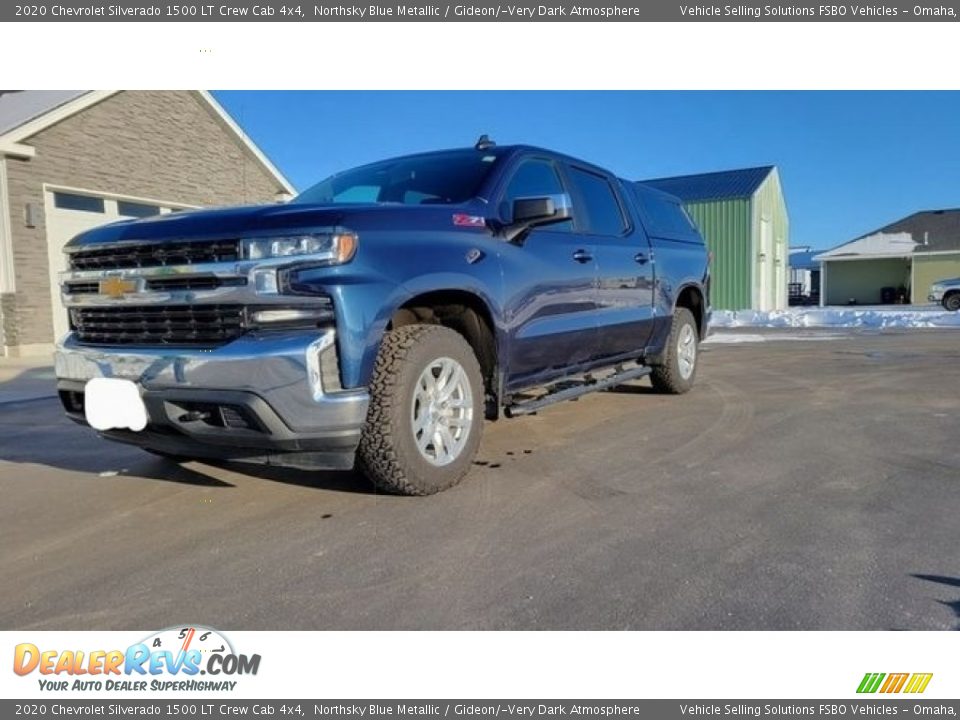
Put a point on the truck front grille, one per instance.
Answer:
(193, 282)
(153, 325)
(115, 257)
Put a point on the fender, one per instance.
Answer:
(358, 369)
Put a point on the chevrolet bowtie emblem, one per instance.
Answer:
(116, 287)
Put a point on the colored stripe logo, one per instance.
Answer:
(894, 682)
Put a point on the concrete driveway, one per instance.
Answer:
(810, 481)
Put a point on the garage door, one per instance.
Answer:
(69, 212)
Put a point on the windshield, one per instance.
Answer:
(434, 179)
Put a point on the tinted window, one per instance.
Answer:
(664, 216)
(358, 194)
(535, 178)
(604, 216)
(69, 201)
(673, 219)
(440, 178)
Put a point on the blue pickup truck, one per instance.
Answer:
(382, 315)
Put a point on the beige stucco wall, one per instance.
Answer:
(162, 145)
(862, 280)
(928, 269)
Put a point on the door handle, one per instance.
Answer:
(641, 258)
(582, 256)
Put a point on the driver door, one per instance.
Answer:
(550, 286)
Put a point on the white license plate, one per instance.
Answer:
(114, 404)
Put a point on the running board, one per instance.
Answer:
(589, 385)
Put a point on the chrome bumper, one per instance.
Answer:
(294, 373)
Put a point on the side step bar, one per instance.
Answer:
(588, 385)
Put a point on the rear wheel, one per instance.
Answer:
(952, 301)
(425, 419)
(679, 369)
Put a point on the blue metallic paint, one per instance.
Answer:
(552, 315)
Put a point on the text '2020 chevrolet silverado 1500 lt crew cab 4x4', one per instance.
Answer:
(383, 314)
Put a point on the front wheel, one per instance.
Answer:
(952, 302)
(679, 368)
(425, 419)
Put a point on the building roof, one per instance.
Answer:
(880, 244)
(931, 230)
(724, 185)
(802, 259)
(24, 113)
(18, 107)
(923, 232)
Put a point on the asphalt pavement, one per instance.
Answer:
(810, 481)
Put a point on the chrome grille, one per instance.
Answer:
(179, 325)
(91, 287)
(193, 282)
(115, 257)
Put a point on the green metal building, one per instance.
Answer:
(743, 218)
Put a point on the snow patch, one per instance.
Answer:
(732, 338)
(871, 317)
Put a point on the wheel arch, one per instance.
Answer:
(953, 292)
(463, 310)
(691, 297)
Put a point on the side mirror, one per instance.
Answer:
(532, 212)
(541, 210)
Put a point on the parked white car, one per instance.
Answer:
(947, 293)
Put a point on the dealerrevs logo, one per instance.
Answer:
(172, 659)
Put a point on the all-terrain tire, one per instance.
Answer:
(952, 302)
(388, 452)
(670, 377)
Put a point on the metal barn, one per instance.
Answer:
(743, 217)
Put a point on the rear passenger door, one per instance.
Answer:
(549, 278)
(624, 263)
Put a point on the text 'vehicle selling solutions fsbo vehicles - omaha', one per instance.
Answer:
(382, 315)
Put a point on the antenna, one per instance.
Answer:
(484, 143)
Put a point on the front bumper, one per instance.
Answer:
(935, 296)
(268, 397)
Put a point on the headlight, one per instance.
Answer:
(333, 248)
(936, 288)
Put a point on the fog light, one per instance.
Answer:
(313, 358)
(290, 315)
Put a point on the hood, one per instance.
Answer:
(260, 220)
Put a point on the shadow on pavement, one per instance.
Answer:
(35, 432)
(634, 388)
(954, 605)
(27, 383)
(349, 481)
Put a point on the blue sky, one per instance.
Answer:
(850, 161)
